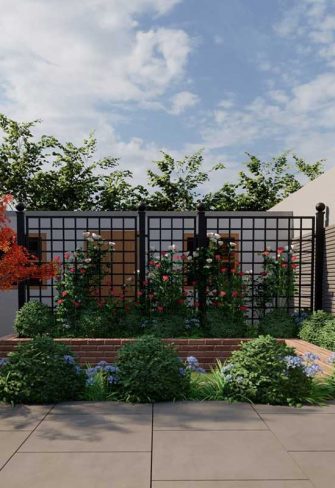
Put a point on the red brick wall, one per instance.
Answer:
(91, 351)
(94, 350)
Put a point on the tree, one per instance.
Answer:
(16, 264)
(178, 182)
(264, 184)
(48, 175)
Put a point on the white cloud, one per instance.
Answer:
(182, 101)
(74, 63)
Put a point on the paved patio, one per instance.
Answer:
(181, 445)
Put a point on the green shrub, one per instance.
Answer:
(34, 319)
(41, 371)
(150, 371)
(278, 323)
(319, 329)
(266, 371)
(220, 325)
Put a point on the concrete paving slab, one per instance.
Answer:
(223, 455)
(234, 484)
(9, 443)
(21, 417)
(89, 408)
(319, 467)
(206, 416)
(84, 470)
(272, 409)
(314, 432)
(96, 433)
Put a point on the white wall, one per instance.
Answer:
(8, 307)
(303, 201)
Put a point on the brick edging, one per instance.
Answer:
(206, 350)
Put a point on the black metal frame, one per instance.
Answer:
(253, 231)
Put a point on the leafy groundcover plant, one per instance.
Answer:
(278, 323)
(34, 319)
(150, 371)
(40, 371)
(319, 329)
(266, 371)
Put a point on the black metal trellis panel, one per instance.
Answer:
(252, 233)
(51, 235)
(139, 234)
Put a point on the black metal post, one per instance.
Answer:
(202, 243)
(21, 240)
(319, 254)
(141, 227)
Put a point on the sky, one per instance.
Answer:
(228, 76)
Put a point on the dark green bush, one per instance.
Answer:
(34, 319)
(41, 371)
(150, 371)
(260, 372)
(278, 323)
(220, 325)
(319, 329)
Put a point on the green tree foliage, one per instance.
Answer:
(48, 175)
(264, 184)
(177, 183)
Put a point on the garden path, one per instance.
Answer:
(167, 445)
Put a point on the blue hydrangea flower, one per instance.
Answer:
(228, 378)
(112, 379)
(78, 369)
(200, 370)
(312, 370)
(192, 361)
(293, 361)
(310, 356)
(110, 368)
(90, 381)
(3, 361)
(69, 359)
(91, 371)
(225, 369)
(182, 371)
(239, 379)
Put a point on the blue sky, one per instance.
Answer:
(228, 76)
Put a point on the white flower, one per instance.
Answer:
(217, 236)
(86, 234)
(173, 247)
(232, 244)
(111, 244)
(206, 266)
(129, 279)
(195, 254)
(90, 239)
(189, 258)
(88, 260)
(220, 243)
(209, 260)
(96, 236)
(166, 255)
(268, 248)
(210, 234)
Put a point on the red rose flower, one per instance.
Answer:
(59, 302)
(234, 293)
(222, 293)
(280, 250)
(165, 278)
(65, 293)
(243, 308)
(160, 308)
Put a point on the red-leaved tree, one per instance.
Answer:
(16, 263)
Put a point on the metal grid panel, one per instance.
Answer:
(252, 235)
(52, 235)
